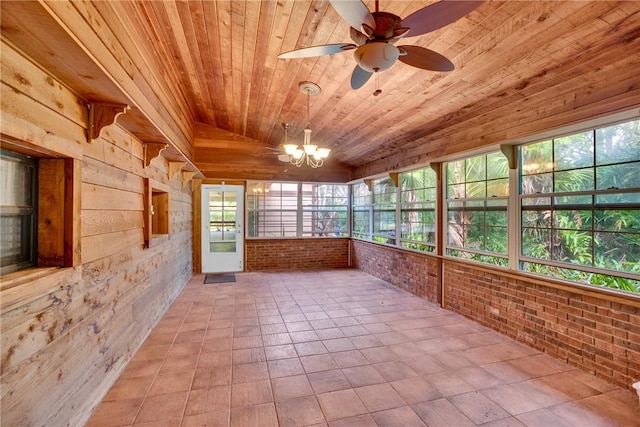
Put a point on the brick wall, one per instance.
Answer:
(294, 254)
(414, 272)
(594, 331)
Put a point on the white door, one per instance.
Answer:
(222, 236)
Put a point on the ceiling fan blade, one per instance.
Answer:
(325, 49)
(426, 59)
(354, 12)
(437, 15)
(357, 37)
(359, 77)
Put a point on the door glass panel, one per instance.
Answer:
(222, 221)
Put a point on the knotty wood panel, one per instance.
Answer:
(68, 333)
(214, 64)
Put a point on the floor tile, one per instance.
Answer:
(171, 382)
(289, 387)
(341, 404)
(359, 376)
(319, 362)
(441, 413)
(330, 333)
(327, 381)
(543, 417)
(299, 411)
(448, 383)
(211, 399)
(310, 348)
(248, 355)
(129, 388)
(365, 420)
(248, 372)
(285, 367)
(119, 412)
(304, 336)
(162, 407)
(349, 358)
(285, 351)
(298, 326)
(251, 393)
(263, 415)
(403, 416)
(478, 408)
(395, 370)
(342, 348)
(209, 419)
(379, 397)
(378, 354)
(210, 377)
(338, 344)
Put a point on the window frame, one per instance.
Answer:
(59, 208)
(381, 211)
(591, 206)
(469, 202)
(510, 204)
(299, 210)
(415, 206)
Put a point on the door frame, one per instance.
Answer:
(229, 262)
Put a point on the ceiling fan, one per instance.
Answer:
(374, 35)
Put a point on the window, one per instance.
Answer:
(477, 196)
(324, 210)
(580, 206)
(361, 211)
(18, 218)
(384, 210)
(40, 210)
(272, 209)
(156, 227)
(418, 194)
(222, 208)
(290, 209)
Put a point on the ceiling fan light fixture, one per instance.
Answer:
(376, 56)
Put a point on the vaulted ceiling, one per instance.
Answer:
(521, 67)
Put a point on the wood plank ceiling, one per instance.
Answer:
(521, 67)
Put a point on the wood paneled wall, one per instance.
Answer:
(67, 333)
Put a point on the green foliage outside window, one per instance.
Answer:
(579, 207)
(477, 191)
(361, 203)
(418, 195)
(580, 197)
(384, 210)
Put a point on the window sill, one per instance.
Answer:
(157, 239)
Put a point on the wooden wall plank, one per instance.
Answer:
(68, 333)
(99, 197)
(103, 221)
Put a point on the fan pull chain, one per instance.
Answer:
(378, 90)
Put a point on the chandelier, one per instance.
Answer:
(310, 154)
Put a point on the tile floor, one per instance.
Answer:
(343, 348)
